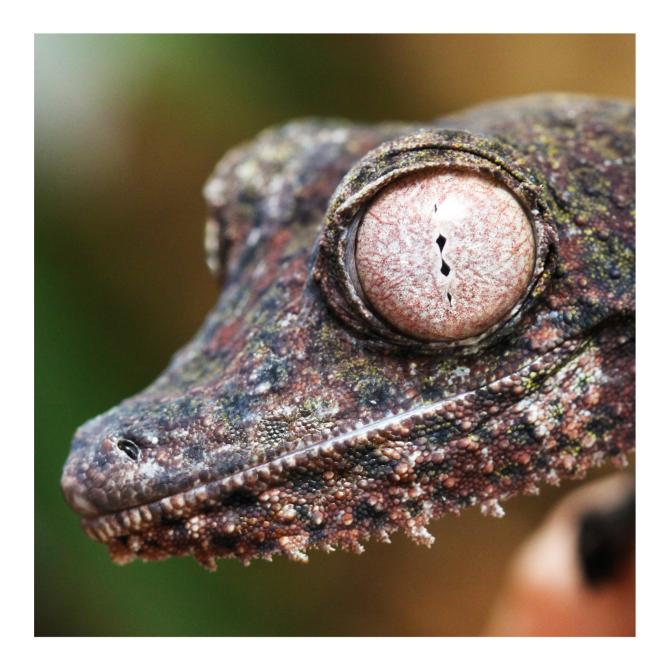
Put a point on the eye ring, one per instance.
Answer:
(443, 151)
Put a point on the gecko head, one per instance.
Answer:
(411, 322)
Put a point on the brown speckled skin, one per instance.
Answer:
(296, 418)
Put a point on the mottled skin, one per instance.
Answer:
(297, 418)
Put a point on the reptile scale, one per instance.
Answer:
(414, 319)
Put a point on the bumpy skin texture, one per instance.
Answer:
(297, 418)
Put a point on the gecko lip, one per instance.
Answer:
(183, 504)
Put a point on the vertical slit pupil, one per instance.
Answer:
(445, 269)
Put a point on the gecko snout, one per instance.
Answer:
(103, 471)
(126, 458)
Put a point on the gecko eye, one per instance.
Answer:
(436, 240)
(444, 255)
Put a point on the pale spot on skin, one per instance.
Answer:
(445, 255)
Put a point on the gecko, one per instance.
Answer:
(414, 319)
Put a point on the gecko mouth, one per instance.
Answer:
(407, 425)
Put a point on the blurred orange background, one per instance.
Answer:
(127, 130)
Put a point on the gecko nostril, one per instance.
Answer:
(129, 448)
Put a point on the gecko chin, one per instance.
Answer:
(369, 479)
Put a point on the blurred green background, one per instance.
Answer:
(127, 130)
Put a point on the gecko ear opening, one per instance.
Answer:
(412, 208)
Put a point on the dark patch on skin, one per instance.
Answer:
(240, 498)
(194, 453)
(173, 523)
(223, 542)
(367, 511)
(297, 418)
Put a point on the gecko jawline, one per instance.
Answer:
(123, 530)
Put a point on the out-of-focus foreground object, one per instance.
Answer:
(576, 574)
